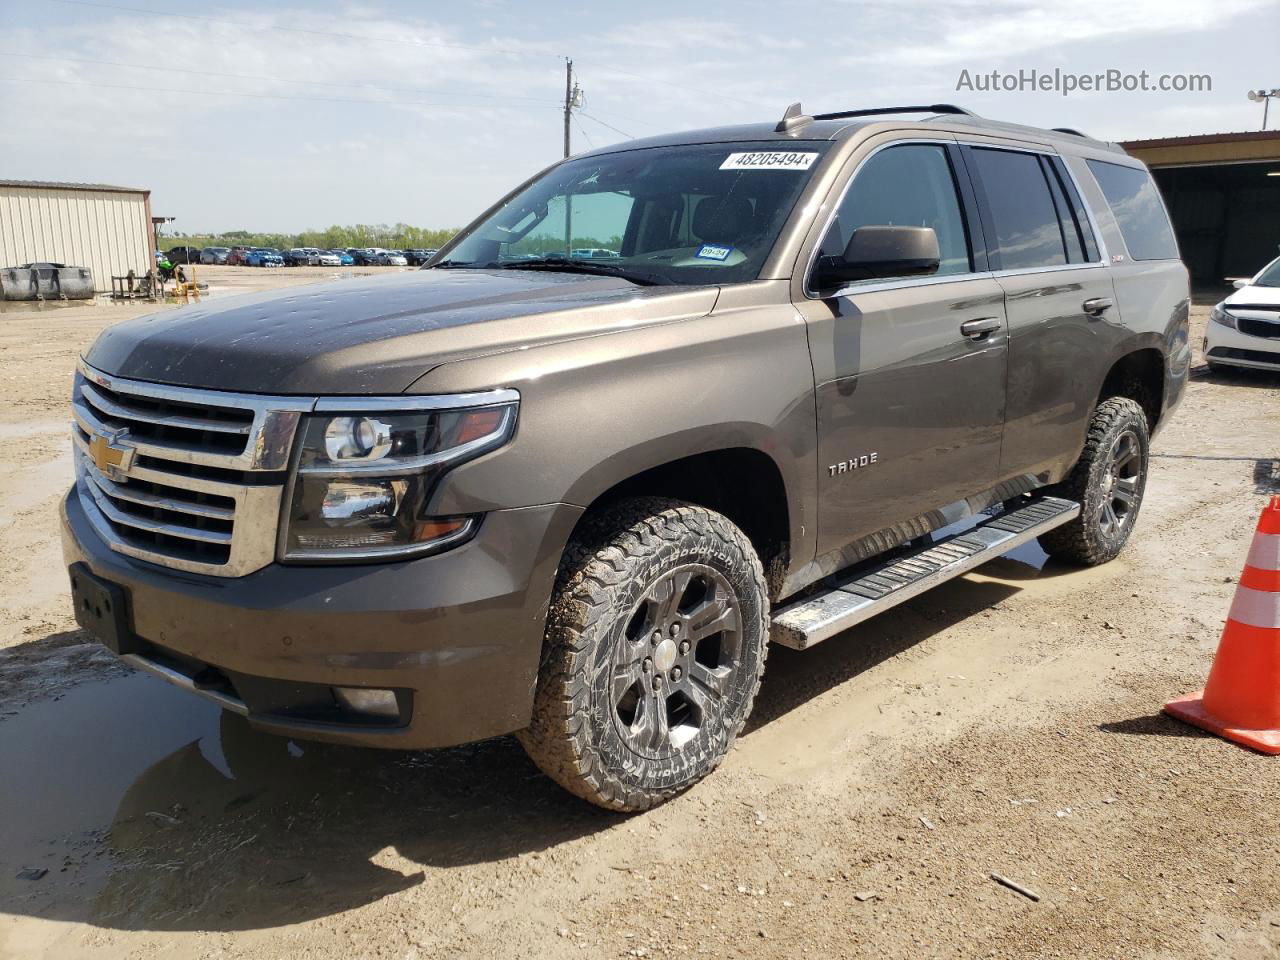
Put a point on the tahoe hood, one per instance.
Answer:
(377, 335)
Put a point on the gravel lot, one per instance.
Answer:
(1008, 722)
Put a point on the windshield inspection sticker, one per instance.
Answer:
(713, 251)
(769, 160)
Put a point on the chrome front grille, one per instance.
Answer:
(189, 479)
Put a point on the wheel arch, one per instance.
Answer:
(1139, 374)
(740, 481)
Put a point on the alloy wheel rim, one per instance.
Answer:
(1121, 484)
(675, 664)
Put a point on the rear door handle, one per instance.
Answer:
(979, 328)
(1098, 306)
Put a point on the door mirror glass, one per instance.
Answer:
(1240, 284)
(881, 251)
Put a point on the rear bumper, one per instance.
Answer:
(458, 635)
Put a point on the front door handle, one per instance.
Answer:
(1098, 306)
(977, 329)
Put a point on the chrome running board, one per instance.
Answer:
(865, 593)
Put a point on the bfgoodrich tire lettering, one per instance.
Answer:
(1108, 482)
(660, 607)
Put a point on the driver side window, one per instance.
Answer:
(911, 185)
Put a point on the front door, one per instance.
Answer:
(910, 372)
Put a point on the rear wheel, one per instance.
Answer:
(655, 648)
(1108, 482)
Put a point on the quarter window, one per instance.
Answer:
(1138, 210)
(912, 186)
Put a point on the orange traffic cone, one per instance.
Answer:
(1241, 701)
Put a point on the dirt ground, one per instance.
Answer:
(1008, 722)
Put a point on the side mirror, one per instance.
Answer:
(881, 251)
(1241, 283)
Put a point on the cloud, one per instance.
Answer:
(970, 31)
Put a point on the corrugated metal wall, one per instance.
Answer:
(108, 232)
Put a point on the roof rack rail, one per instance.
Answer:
(794, 116)
(877, 111)
(1072, 131)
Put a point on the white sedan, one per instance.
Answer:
(1244, 329)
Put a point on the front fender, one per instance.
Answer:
(599, 410)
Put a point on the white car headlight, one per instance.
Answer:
(1222, 316)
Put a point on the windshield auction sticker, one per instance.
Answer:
(769, 160)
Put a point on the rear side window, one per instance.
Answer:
(1020, 205)
(1133, 199)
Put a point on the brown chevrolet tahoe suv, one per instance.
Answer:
(809, 369)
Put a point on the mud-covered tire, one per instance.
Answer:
(607, 682)
(1099, 481)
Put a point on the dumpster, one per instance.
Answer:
(46, 281)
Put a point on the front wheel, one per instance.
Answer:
(655, 647)
(1108, 482)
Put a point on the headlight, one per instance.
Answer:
(1220, 315)
(363, 480)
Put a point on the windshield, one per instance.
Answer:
(704, 213)
(1270, 276)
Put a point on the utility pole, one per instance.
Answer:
(572, 98)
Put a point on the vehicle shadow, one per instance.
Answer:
(795, 677)
(1236, 376)
(153, 810)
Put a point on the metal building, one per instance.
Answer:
(104, 228)
(1223, 194)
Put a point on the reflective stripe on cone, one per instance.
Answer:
(1265, 552)
(1257, 608)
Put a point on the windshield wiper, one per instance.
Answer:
(451, 264)
(582, 266)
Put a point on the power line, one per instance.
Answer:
(183, 15)
(583, 130)
(252, 76)
(254, 96)
(603, 124)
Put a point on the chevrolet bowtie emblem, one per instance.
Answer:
(110, 454)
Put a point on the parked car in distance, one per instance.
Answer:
(299, 256)
(363, 256)
(419, 255)
(264, 257)
(1244, 329)
(183, 255)
(237, 256)
(344, 259)
(324, 258)
(593, 253)
(390, 258)
(214, 255)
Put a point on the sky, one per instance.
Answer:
(282, 116)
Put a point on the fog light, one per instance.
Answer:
(376, 703)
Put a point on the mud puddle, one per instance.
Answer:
(152, 809)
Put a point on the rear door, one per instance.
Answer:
(909, 407)
(1063, 320)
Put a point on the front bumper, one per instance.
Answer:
(458, 635)
(1226, 346)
